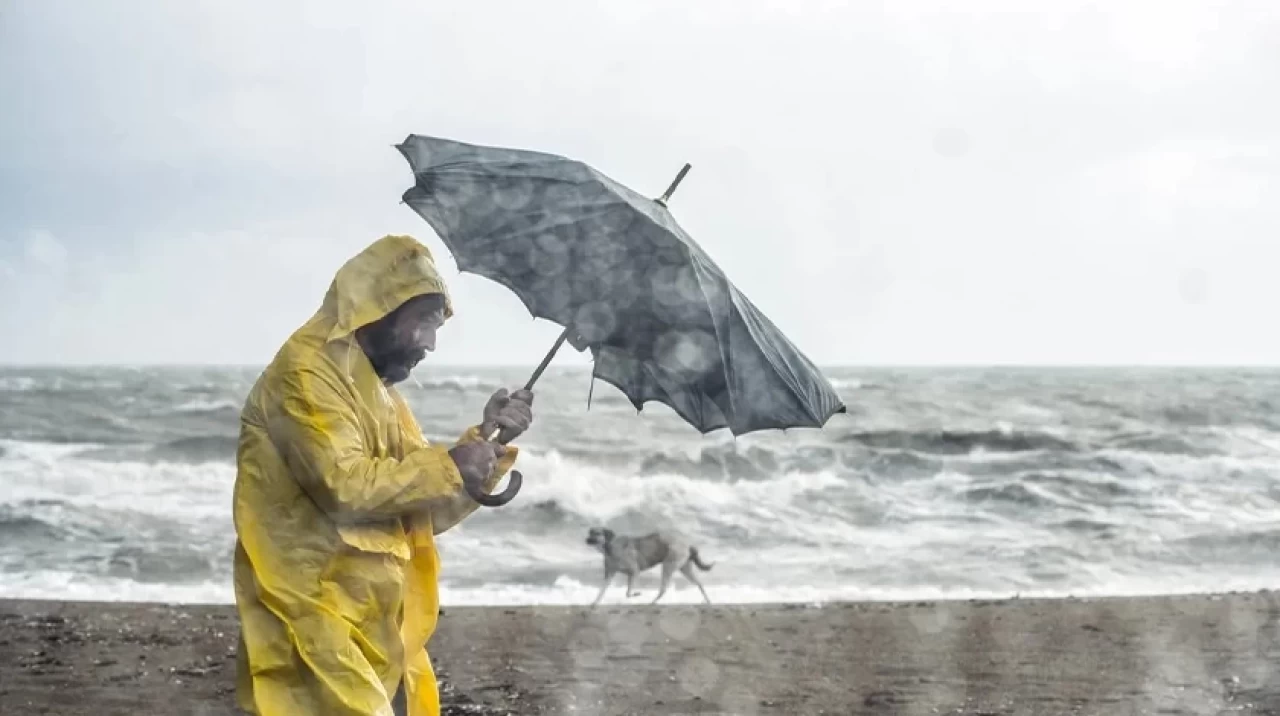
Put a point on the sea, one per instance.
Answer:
(116, 483)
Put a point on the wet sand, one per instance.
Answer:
(1167, 655)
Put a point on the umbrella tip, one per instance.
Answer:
(662, 200)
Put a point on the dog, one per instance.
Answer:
(633, 555)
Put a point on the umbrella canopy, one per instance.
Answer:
(613, 267)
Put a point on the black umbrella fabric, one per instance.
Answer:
(615, 269)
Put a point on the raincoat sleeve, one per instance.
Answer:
(445, 513)
(317, 431)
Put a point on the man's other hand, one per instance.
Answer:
(476, 460)
(510, 413)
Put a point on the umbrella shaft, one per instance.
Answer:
(546, 360)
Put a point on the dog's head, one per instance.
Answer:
(599, 537)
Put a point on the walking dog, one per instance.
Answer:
(633, 555)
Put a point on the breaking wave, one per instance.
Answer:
(118, 486)
(957, 442)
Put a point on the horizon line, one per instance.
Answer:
(5, 365)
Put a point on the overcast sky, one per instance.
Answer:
(892, 182)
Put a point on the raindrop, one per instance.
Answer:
(490, 260)
(446, 213)
(603, 254)
(589, 286)
(664, 283)
(686, 353)
(561, 194)
(514, 194)
(679, 624)
(550, 256)
(667, 249)
(739, 699)
(595, 321)
(554, 297)
(626, 629)
(699, 676)
(456, 190)
(930, 621)
(622, 286)
(518, 255)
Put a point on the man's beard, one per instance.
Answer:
(394, 367)
(392, 363)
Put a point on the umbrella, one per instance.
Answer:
(662, 321)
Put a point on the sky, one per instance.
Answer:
(891, 182)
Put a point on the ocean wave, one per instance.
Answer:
(52, 519)
(164, 563)
(200, 449)
(1124, 493)
(1164, 443)
(15, 525)
(454, 383)
(196, 450)
(132, 492)
(65, 585)
(732, 462)
(1013, 494)
(852, 384)
(205, 406)
(899, 465)
(1238, 545)
(1085, 488)
(70, 585)
(959, 442)
(17, 383)
(565, 490)
(97, 538)
(58, 384)
(1091, 527)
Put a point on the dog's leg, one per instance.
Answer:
(668, 569)
(687, 571)
(630, 592)
(608, 579)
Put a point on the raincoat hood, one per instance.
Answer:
(378, 280)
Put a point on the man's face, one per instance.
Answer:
(398, 342)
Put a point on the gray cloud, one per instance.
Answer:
(891, 183)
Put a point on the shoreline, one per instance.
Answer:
(1175, 654)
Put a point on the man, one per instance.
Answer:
(338, 497)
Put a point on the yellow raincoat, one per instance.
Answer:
(337, 499)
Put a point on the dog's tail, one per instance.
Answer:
(697, 560)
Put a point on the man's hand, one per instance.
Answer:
(476, 460)
(512, 413)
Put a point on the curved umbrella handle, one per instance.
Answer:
(514, 483)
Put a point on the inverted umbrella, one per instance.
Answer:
(662, 321)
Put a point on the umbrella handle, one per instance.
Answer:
(517, 480)
(514, 483)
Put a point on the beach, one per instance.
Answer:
(1212, 654)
